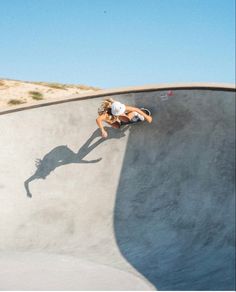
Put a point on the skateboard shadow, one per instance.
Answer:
(62, 155)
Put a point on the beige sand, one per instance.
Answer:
(15, 93)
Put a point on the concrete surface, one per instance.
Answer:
(151, 207)
(42, 271)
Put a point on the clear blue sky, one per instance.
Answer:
(109, 43)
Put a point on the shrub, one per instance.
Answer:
(15, 101)
(36, 95)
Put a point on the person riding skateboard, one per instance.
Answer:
(114, 113)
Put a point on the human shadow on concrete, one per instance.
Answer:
(62, 155)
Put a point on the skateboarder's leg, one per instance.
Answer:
(116, 125)
(134, 116)
(124, 119)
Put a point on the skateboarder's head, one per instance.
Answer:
(117, 108)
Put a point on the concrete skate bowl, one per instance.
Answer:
(151, 207)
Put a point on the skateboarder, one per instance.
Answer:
(114, 113)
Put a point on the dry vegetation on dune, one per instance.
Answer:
(14, 93)
(16, 101)
(67, 86)
(36, 95)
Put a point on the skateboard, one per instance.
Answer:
(135, 119)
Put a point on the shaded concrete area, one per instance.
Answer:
(152, 206)
(175, 204)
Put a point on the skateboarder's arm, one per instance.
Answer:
(135, 109)
(99, 121)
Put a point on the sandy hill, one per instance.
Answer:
(14, 93)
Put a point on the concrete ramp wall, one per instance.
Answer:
(153, 205)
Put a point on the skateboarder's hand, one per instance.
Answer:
(149, 119)
(104, 134)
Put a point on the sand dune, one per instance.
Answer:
(14, 93)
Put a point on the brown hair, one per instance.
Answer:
(105, 108)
